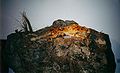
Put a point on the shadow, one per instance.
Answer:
(3, 66)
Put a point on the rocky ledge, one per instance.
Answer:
(63, 47)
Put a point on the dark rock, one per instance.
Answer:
(59, 23)
(69, 48)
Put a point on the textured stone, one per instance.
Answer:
(64, 47)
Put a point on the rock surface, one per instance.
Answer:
(64, 47)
